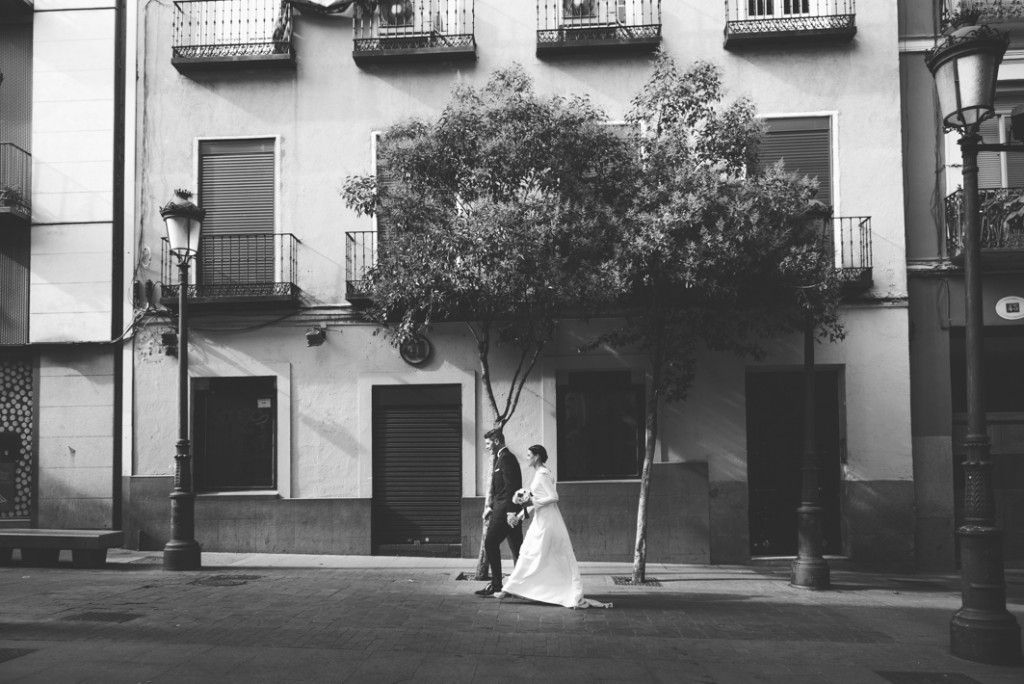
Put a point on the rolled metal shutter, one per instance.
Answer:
(15, 248)
(237, 189)
(990, 164)
(417, 465)
(805, 146)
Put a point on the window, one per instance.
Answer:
(235, 428)
(772, 8)
(805, 146)
(1001, 169)
(600, 425)
(237, 190)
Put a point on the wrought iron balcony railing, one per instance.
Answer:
(15, 181)
(232, 33)
(14, 8)
(574, 26)
(360, 257)
(851, 238)
(1002, 221)
(415, 29)
(757, 22)
(233, 268)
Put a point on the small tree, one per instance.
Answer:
(499, 215)
(712, 254)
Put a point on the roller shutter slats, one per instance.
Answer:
(806, 152)
(236, 188)
(417, 466)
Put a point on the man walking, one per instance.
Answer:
(501, 519)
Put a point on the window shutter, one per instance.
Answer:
(236, 188)
(14, 276)
(990, 172)
(805, 146)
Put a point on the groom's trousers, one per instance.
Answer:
(497, 530)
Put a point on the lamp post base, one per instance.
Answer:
(810, 573)
(985, 637)
(182, 555)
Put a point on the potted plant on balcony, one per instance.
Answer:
(959, 13)
(11, 196)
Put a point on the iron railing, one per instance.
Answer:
(250, 266)
(360, 257)
(567, 24)
(1002, 220)
(15, 7)
(415, 27)
(759, 19)
(851, 235)
(15, 179)
(218, 29)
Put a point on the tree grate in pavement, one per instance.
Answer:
(627, 580)
(225, 580)
(96, 616)
(927, 678)
(12, 653)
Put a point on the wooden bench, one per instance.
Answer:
(42, 547)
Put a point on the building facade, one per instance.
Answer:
(312, 434)
(934, 210)
(60, 233)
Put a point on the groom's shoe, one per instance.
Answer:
(489, 590)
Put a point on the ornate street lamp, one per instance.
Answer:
(965, 66)
(184, 223)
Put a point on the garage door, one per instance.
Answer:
(417, 465)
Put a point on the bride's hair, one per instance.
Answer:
(541, 452)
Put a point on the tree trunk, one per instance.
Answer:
(650, 441)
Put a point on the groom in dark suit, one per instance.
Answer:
(506, 478)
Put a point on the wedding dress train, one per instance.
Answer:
(547, 570)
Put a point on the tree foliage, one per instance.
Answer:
(496, 214)
(714, 252)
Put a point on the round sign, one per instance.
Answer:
(416, 350)
(1011, 308)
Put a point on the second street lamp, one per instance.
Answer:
(965, 66)
(184, 223)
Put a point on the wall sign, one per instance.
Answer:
(416, 350)
(1010, 308)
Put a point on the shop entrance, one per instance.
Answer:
(417, 470)
(774, 453)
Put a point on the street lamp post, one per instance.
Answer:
(965, 66)
(184, 223)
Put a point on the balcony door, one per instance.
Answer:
(237, 190)
(777, 9)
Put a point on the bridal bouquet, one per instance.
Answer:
(521, 496)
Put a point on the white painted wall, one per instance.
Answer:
(73, 175)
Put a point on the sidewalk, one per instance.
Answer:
(289, 618)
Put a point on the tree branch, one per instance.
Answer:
(533, 360)
(483, 350)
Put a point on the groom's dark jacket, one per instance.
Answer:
(506, 479)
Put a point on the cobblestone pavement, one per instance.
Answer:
(274, 618)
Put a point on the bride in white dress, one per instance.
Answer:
(547, 570)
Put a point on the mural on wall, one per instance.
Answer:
(15, 439)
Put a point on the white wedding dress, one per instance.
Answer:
(547, 570)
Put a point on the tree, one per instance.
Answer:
(498, 214)
(713, 253)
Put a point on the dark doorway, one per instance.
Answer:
(235, 429)
(417, 469)
(774, 453)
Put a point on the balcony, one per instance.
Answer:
(15, 8)
(360, 257)
(231, 34)
(415, 30)
(1002, 227)
(571, 27)
(754, 23)
(15, 185)
(851, 240)
(254, 269)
